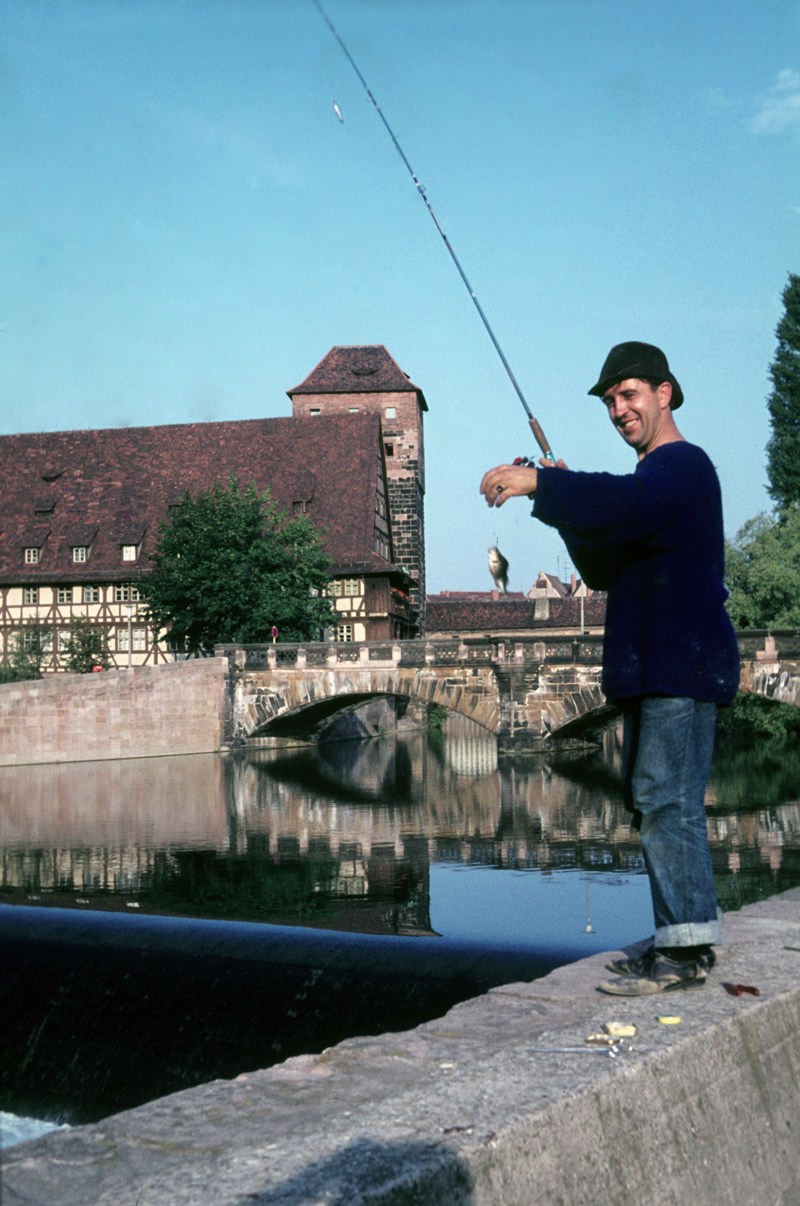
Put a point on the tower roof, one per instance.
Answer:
(360, 368)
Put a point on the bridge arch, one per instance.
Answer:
(303, 708)
(522, 692)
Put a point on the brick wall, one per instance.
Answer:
(140, 713)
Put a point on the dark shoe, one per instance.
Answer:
(658, 974)
(640, 965)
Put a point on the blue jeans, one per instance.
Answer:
(666, 759)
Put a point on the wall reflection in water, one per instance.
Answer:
(345, 837)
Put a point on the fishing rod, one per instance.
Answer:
(539, 435)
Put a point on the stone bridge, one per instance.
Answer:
(530, 692)
(771, 664)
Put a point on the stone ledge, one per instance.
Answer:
(459, 1111)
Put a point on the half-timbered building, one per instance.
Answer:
(80, 510)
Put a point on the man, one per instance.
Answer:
(654, 540)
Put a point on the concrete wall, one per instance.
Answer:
(144, 712)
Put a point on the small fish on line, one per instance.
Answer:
(498, 568)
(338, 112)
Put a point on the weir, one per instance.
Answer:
(100, 1012)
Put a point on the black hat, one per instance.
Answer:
(636, 360)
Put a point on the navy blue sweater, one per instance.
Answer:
(654, 540)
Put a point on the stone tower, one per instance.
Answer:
(366, 378)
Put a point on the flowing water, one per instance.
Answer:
(232, 911)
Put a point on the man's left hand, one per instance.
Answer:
(508, 481)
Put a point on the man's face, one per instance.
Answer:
(639, 412)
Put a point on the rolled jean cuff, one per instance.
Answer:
(689, 933)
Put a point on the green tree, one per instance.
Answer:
(85, 649)
(229, 565)
(762, 572)
(783, 449)
(30, 646)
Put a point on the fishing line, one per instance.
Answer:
(534, 426)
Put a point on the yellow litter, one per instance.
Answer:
(620, 1029)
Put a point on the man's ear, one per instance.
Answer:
(664, 394)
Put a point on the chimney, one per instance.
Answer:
(574, 584)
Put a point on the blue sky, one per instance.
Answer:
(188, 227)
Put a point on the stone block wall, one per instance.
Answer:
(407, 508)
(145, 712)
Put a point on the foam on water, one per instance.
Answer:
(14, 1129)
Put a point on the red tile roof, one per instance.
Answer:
(112, 487)
(509, 615)
(459, 596)
(366, 368)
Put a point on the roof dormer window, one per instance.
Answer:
(32, 556)
(79, 553)
(129, 552)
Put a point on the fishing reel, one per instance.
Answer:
(527, 463)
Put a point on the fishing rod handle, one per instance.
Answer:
(541, 439)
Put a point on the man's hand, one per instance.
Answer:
(508, 481)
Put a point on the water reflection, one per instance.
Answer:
(346, 838)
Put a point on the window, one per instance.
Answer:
(381, 545)
(314, 410)
(31, 556)
(389, 449)
(129, 552)
(300, 508)
(65, 594)
(344, 632)
(91, 594)
(33, 641)
(391, 412)
(353, 410)
(63, 641)
(30, 594)
(138, 640)
(344, 586)
(124, 592)
(79, 552)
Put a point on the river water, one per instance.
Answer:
(375, 883)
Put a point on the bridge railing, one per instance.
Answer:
(759, 644)
(755, 645)
(477, 651)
